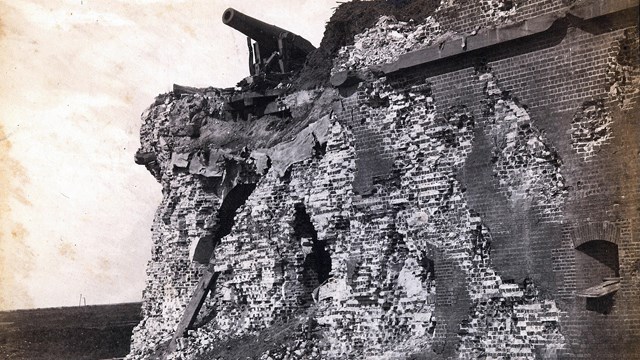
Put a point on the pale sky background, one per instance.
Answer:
(75, 211)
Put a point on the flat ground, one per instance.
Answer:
(87, 332)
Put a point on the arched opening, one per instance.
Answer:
(598, 274)
(600, 258)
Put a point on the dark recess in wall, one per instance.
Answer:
(319, 260)
(226, 215)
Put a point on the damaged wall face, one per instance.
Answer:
(526, 167)
(624, 72)
(445, 210)
(430, 146)
(590, 128)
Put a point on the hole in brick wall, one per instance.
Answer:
(481, 242)
(168, 208)
(429, 268)
(352, 269)
(590, 127)
(623, 71)
(375, 101)
(505, 5)
(319, 149)
(481, 66)
(342, 223)
(497, 8)
(210, 184)
(628, 54)
(317, 263)
(286, 177)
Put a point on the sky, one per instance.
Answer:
(75, 210)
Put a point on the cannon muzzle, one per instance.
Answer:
(265, 34)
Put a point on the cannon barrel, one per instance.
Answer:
(265, 34)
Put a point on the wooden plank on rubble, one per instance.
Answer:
(205, 285)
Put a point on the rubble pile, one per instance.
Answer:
(389, 38)
(353, 18)
(385, 42)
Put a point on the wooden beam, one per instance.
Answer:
(205, 285)
(606, 287)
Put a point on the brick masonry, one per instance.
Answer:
(457, 208)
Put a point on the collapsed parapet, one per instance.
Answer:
(195, 133)
(443, 209)
(209, 166)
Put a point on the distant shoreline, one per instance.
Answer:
(72, 307)
(71, 332)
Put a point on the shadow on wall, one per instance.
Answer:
(602, 305)
(226, 215)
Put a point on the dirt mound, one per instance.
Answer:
(352, 18)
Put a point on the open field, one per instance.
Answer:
(87, 332)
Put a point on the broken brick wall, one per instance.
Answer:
(556, 80)
(453, 201)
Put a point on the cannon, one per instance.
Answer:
(271, 45)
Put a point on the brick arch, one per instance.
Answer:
(605, 230)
